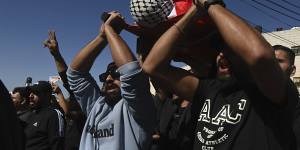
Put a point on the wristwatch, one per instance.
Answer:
(208, 3)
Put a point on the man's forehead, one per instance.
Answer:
(281, 53)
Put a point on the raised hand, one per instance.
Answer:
(204, 4)
(102, 32)
(55, 88)
(116, 21)
(51, 42)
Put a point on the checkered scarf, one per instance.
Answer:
(149, 13)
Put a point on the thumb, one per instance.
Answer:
(45, 43)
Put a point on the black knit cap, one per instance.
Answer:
(41, 87)
(111, 67)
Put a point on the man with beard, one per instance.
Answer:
(251, 102)
(19, 97)
(45, 126)
(286, 59)
(10, 128)
(110, 87)
(121, 115)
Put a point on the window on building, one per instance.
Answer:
(296, 49)
(296, 80)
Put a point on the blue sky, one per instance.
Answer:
(24, 25)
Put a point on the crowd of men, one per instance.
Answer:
(237, 94)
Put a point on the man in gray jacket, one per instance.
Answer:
(122, 116)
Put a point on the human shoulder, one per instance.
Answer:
(75, 74)
(291, 86)
(208, 84)
(51, 112)
(129, 69)
(292, 93)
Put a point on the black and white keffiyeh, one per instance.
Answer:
(149, 13)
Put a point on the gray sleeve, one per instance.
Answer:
(85, 89)
(135, 90)
(55, 129)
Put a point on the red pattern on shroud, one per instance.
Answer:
(200, 49)
(181, 6)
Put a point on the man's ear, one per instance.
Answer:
(292, 70)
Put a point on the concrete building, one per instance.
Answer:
(289, 38)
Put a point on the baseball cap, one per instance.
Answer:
(41, 87)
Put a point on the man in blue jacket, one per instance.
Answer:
(122, 116)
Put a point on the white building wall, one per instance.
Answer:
(288, 38)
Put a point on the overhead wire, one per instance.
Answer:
(273, 34)
(281, 6)
(267, 14)
(296, 6)
(276, 10)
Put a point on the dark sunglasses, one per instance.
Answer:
(113, 73)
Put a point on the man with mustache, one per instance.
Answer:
(122, 114)
(250, 104)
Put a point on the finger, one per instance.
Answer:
(53, 84)
(113, 12)
(49, 34)
(120, 15)
(54, 35)
(45, 43)
(102, 28)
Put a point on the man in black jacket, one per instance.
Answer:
(286, 59)
(46, 126)
(10, 127)
(19, 98)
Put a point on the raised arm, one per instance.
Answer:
(83, 85)
(134, 83)
(84, 60)
(60, 98)
(61, 66)
(252, 48)
(157, 63)
(120, 51)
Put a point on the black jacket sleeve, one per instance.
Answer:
(56, 131)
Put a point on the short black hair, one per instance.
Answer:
(290, 53)
(24, 91)
(143, 46)
(41, 87)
